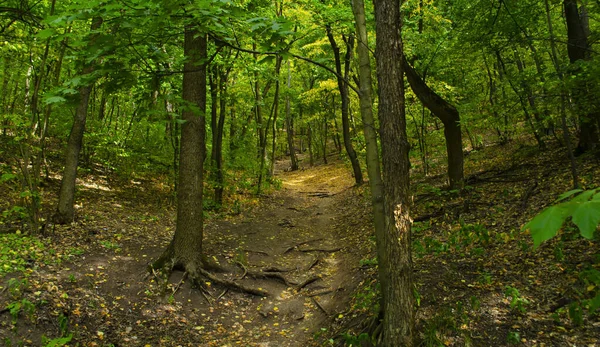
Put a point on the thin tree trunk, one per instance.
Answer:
(342, 81)
(289, 123)
(65, 210)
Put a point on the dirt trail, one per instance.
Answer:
(298, 234)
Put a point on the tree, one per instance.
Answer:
(185, 249)
(65, 211)
(579, 52)
(342, 81)
(394, 243)
(448, 114)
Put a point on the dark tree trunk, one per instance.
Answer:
(448, 114)
(65, 211)
(185, 250)
(342, 80)
(578, 49)
(394, 244)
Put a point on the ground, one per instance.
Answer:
(479, 282)
(104, 295)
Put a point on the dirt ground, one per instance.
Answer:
(104, 296)
(478, 280)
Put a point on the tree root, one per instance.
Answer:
(296, 245)
(307, 282)
(330, 250)
(319, 306)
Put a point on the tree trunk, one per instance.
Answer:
(185, 250)
(448, 114)
(342, 81)
(366, 112)
(563, 116)
(65, 210)
(289, 123)
(578, 49)
(394, 244)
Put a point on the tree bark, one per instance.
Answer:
(289, 122)
(449, 116)
(394, 244)
(65, 211)
(185, 250)
(342, 81)
(578, 49)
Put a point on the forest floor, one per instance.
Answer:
(478, 279)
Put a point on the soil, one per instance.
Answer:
(297, 234)
(479, 282)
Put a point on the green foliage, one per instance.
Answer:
(583, 207)
(513, 338)
(57, 342)
(517, 302)
(18, 252)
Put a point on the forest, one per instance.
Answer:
(299, 173)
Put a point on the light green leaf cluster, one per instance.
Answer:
(583, 207)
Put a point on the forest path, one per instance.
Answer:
(301, 235)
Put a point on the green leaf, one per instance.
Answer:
(568, 194)
(545, 225)
(46, 33)
(54, 100)
(587, 218)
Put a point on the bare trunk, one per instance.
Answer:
(342, 81)
(449, 116)
(394, 244)
(65, 210)
(185, 250)
(289, 123)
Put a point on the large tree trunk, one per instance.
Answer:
(448, 114)
(65, 211)
(342, 80)
(578, 49)
(394, 244)
(185, 250)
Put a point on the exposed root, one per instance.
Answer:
(320, 306)
(257, 252)
(307, 282)
(233, 285)
(330, 250)
(296, 245)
